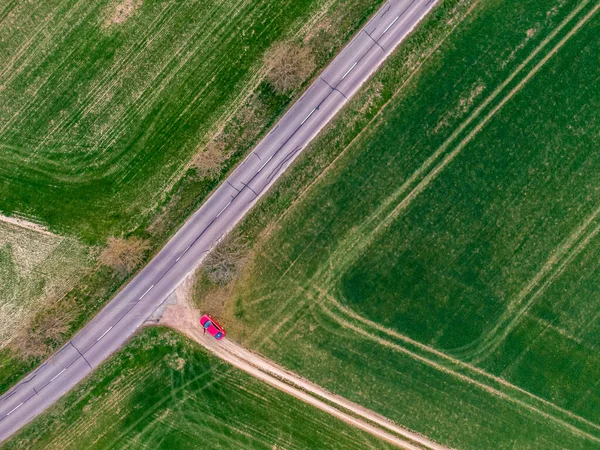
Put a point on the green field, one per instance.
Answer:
(434, 254)
(163, 391)
(102, 104)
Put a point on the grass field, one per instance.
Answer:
(434, 255)
(162, 391)
(102, 104)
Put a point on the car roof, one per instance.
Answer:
(212, 321)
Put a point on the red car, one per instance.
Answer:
(209, 324)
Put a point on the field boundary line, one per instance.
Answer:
(432, 175)
(449, 371)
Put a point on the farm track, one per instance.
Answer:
(184, 319)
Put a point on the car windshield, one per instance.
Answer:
(207, 324)
(218, 335)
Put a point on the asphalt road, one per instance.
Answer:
(119, 320)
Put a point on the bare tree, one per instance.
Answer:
(44, 333)
(124, 255)
(209, 162)
(225, 261)
(288, 65)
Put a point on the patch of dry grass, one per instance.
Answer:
(36, 270)
(122, 11)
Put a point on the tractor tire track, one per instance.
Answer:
(360, 238)
(345, 315)
(556, 264)
(450, 371)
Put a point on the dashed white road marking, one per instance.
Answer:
(390, 25)
(224, 208)
(267, 161)
(148, 290)
(56, 376)
(350, 70)
(104, 334)
(183, 253)
(307, 117)
(15, 408)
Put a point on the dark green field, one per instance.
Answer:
(437, 247)
(162, 391)
(99, 119)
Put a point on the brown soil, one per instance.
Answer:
(122, 11)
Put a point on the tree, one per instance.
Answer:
(44, 332)
(288, 65)
(225, 261)
(209, 162)
(124, 255)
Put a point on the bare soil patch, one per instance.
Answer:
(122, 11)
(26, 224)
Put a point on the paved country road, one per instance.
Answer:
(117, 322)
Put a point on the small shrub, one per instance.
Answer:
(288, 66)
(124, 255)
(44, 333)
(225, 261)
(209, 161)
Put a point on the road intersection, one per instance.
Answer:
(138, 300)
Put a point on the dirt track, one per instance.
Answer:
(184, 318)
